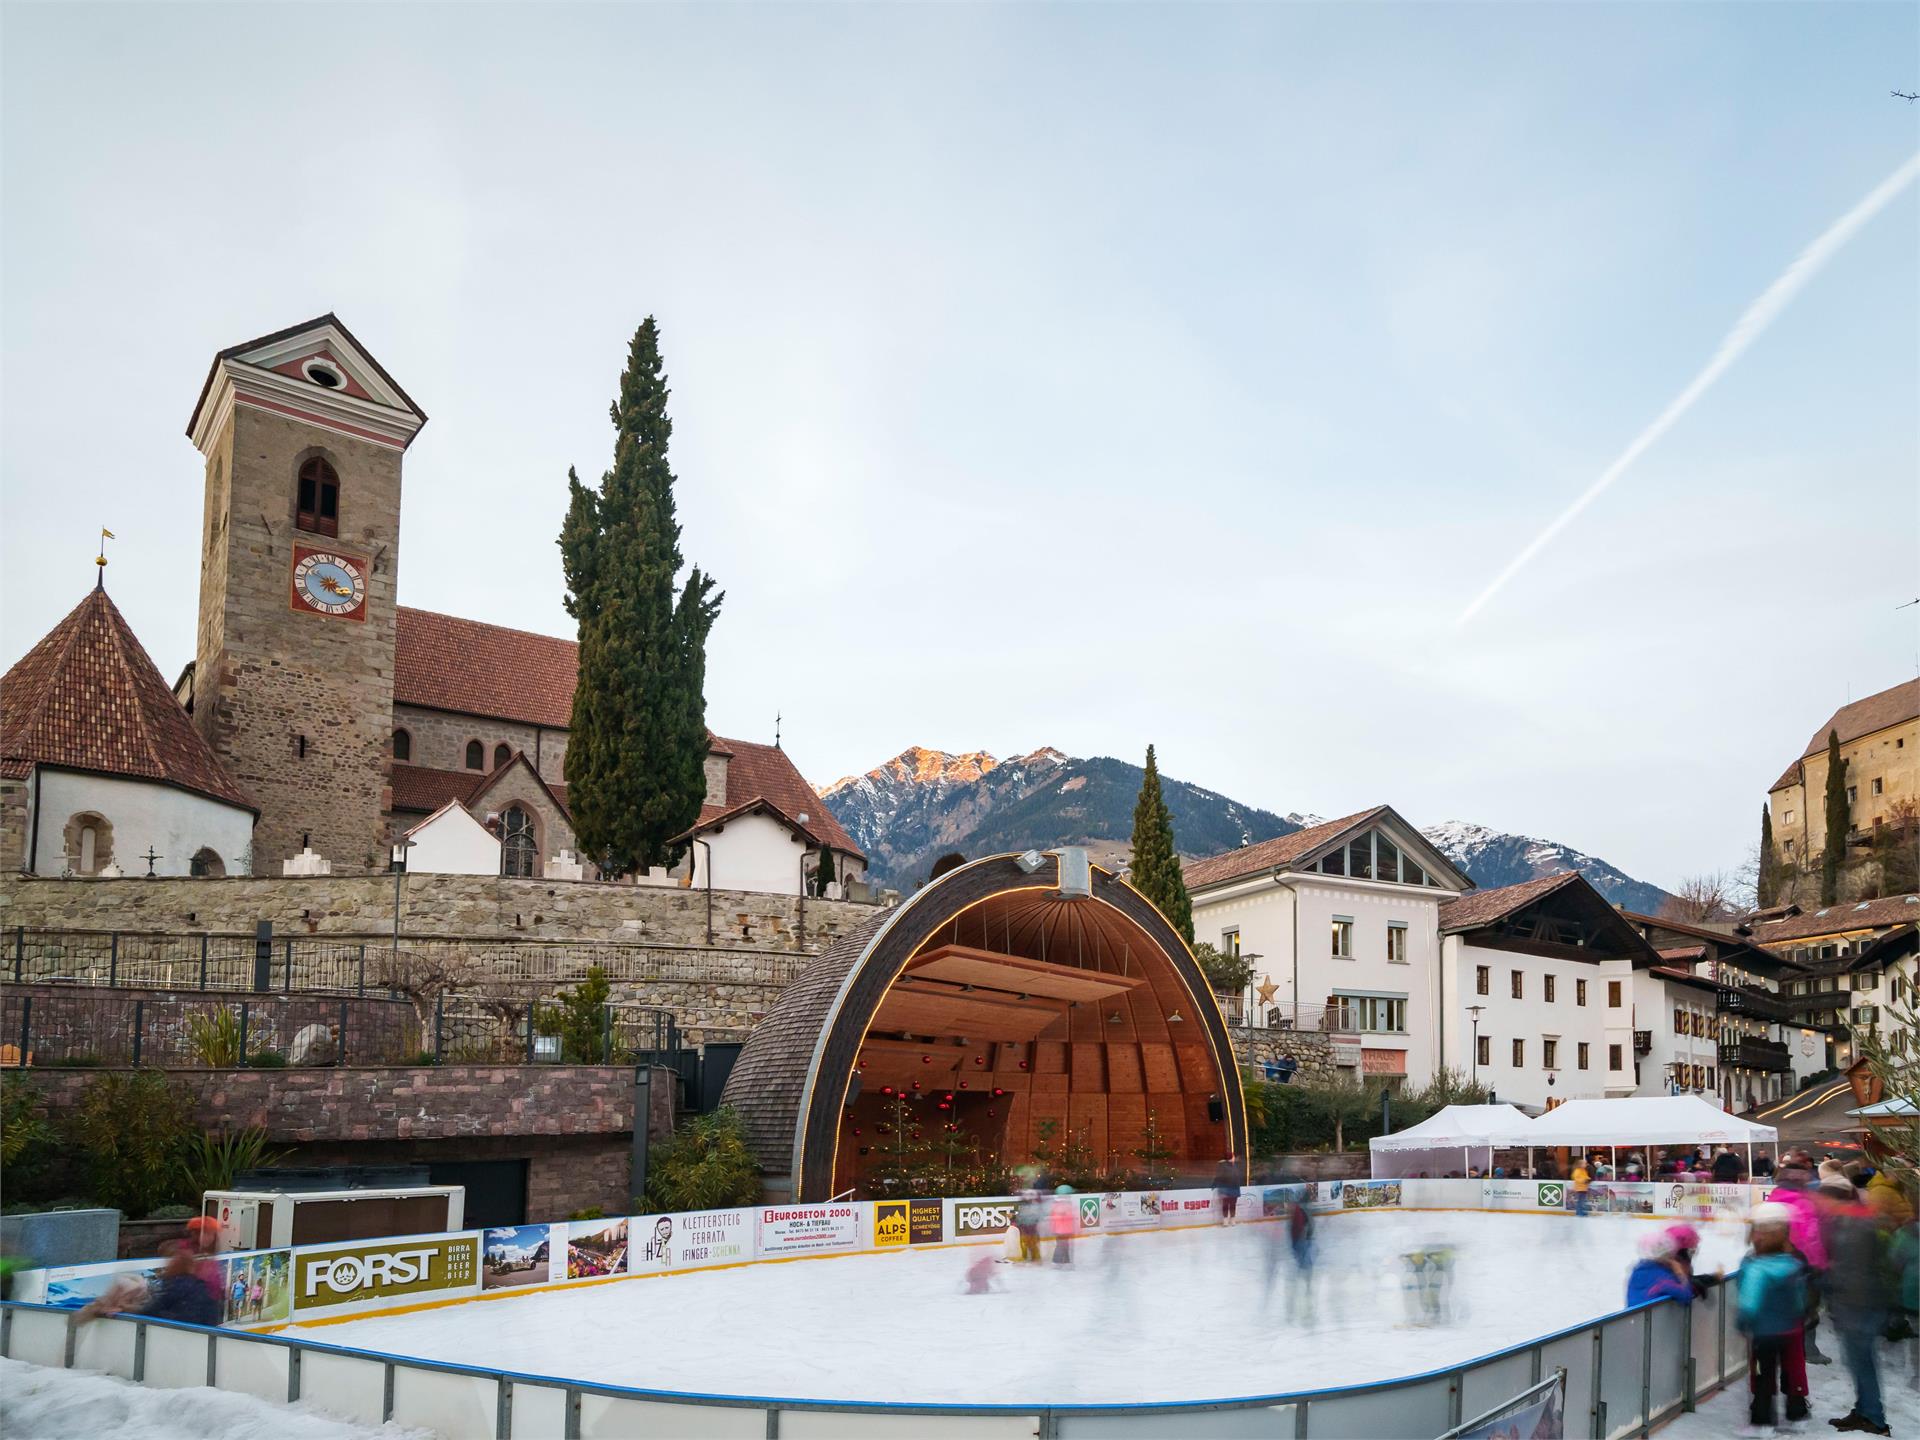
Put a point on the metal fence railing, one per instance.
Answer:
(95, 1029)
(367, 964)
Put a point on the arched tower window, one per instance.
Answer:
(501, 755)
(402, 745)
(517, 848)
(318, 508)
(206, 863)
(476, 755)
(88, 841)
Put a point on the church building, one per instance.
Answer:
(320, 705)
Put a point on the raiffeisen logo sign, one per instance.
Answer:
(348, 1275)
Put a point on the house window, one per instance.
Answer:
(517, 850)
(206, 863)
(1396, 943)
(1360, 858)
(89, 845)
(1229, 942)
(402, 745)
(1579, 992)
(1680, 1026)
(1334, 863)
(1549, 1054)
(1613, 1057)
(1342, 937)
(501, 755)
(1548, 982)
(1789, 817)
(1581, 1054)
(1386, 859)
(1788, 847)
(1519, 984)
(1485, 1055)
(1875, 787)
(1373, 1014)
(318, 507)
(476, 755)
(1519, 1054)
(1482, 979)
(1853, 794)
(1613, 994)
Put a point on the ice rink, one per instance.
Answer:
(1151, 1316)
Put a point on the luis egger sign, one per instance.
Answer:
(392, 1270)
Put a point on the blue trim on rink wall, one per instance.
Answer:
(1455, 1374)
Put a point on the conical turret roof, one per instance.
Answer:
(89, 697)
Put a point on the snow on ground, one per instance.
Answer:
(1174, 1315)
(37, 1403)
(1831, 1397)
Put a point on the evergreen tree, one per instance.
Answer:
(1835, 855)
(1156, 864)
(637, 749)
(1767, 882)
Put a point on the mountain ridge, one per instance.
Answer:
(922, 803)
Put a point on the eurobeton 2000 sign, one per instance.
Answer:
(351, 1274)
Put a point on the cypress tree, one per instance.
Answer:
(1156, 864)
(1835, 855)
(637, 750)
(1767, 882)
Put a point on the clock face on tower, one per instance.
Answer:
(326, 582)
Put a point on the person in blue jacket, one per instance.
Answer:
(1772, 1309)
(1659, 1275)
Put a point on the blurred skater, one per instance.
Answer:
(1686, 1244)
(1427, 1283)
(1803, 1235)
(1063, 1219)
(1659, 1275)
(1582, 1180)
(1226, 1189)
(980, 1275)
(1859, 1294)
(1027, 1215)
(1300, 1246)
(1772, 1308)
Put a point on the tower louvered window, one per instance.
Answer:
(318, 505)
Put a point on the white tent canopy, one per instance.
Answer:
(1645, 1120)
(1460, 1137)
(1888, 1107)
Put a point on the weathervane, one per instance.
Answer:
(100, 580)
(776, 729)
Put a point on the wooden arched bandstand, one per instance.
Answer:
(1014, 1011)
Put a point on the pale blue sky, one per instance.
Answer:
(1075, 376)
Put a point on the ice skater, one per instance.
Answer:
(1226, 1189)
(981, 1278)
(1300, 1245)
(1027, 1215)
(1063, 1219)
(1772, 1309)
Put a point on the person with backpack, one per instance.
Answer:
(1772, 1307)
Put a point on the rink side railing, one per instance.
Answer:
(1625, 1373)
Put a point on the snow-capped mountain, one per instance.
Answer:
(1494, 859)
(925, 803)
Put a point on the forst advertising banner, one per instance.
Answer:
(690, 1239)
(907, 1222)
(385, 1272)
(978, 1219)
(809, 1229)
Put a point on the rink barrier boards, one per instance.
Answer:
(1624, 1373)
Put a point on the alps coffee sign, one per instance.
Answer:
(393, 1270)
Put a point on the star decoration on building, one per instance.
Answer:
(1266, 991)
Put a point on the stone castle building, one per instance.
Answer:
(314, 700)
(1880, 746)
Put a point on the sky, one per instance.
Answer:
(1076, 376)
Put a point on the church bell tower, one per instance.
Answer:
(303, 434)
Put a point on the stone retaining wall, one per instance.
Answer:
(1311, 1050)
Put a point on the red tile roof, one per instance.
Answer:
(1838, 919)
(418, 788)
(88, 697)
(1270, 854)
(442, 662)
(1483, 907)
(1890, 707)
(764, 772)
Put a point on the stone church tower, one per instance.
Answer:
(292, 685)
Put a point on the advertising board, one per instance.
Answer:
(596, 1248)
(515, 1255)
(809, 1229)
(1129, 1209)
(381, 1273)
(1188, 1207)
(1369, 1194)
(254, 1286)
(978, 1219)
(688, 1240)
(908, 1222)
(1526, 1194)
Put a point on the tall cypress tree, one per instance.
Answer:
(1156, 864)
(1835, 854)
(1767, 882)
(637, 750)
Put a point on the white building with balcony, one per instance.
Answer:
(1342, 918)
(1538, 991)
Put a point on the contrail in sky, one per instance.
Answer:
(1759, 315)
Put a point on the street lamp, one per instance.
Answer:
(399, 874)
(802, 818)
(707, 870)
(1475, 1011)
(1252, 957)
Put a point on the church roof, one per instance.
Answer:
(88, 697)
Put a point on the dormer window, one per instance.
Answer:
(318, 507)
